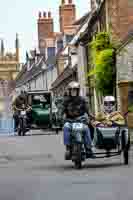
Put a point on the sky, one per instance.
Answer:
(20, 16)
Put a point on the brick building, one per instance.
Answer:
(49, 41)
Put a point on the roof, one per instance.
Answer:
(82, 19)
(39, 92)
(68, 71)
(37, 68)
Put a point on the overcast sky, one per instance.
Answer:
(21, 16)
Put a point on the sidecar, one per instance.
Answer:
(113, 140)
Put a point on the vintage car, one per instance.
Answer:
(43, 110)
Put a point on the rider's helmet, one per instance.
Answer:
(73, 88)
(109, 104)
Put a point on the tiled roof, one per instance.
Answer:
(35, 70)
(68, 71)
(82, 19)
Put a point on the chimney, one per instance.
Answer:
(63, 2)
(44, 15)
(40, 15)
(70, 1)
(49, 14)
(45, 27)
(67, 13)
(93, 5)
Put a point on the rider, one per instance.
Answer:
(75, 107)
(109, 112)
(18, 104)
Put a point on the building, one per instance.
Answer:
(9, 68)
(67, 70)
(111, 16)
(125, 73)
(39, 76)
(50, 42)
(36, 76)
(114, 16)
(72, 61)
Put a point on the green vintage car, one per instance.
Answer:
(43, 110)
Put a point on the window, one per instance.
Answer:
(51, 51)
(59, 45)
(69, 38)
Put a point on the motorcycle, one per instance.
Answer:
(78, 153)
(23, 125)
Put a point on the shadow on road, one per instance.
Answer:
(70, 167)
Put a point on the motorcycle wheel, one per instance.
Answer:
(125, 148)
(77, 160)
(126, 156)
(78, 164)
(20, 128)
(24, 127)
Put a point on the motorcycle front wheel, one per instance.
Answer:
(22, 127)
(77, 156)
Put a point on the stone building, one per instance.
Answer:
(9, 62)
(125, 72)
(9, 68)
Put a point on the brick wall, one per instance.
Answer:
(45, 28)
(67, 14)
(120, 17)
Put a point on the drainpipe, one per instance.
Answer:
(107, 15)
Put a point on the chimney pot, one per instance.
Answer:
(63, 2)
(70, 1)
(49, 14)
(40, 14)
(44, 14)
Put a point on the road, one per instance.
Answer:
(33, 168)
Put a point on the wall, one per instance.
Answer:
(82, 69)
(120, 17)
(124, 70)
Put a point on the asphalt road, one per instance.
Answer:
(33, 168)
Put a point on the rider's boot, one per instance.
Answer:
(89, 152)
(68, 154)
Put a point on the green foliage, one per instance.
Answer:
(103, 60)
(130, 108)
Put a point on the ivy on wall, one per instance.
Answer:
(103, 61)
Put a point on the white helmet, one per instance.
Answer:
(73, 85)
(109, 104)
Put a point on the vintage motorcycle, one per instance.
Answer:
(23, 120)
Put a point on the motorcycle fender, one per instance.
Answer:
(78, 137)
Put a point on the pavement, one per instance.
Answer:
(33, 168)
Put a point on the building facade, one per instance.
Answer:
(50, 44)
(125, 73)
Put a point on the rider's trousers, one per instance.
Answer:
(67, 131)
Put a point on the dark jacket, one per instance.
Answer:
(75, 107)
(20, 100)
